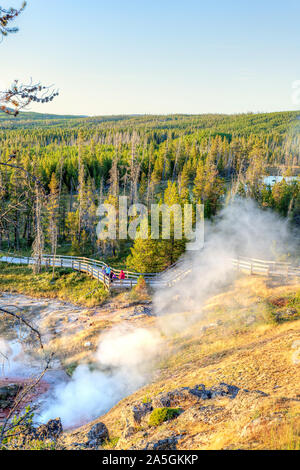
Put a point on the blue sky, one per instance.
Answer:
(158, 56)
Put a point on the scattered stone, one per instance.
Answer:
(97, 435)
(224, 390)
(52, 430)
(201, 392)
(172, 399)
(134, 416)
(186, 394)
(285, 315)
(169, 443)
(221, 390)
(81, 445)
(128, 431)
(291, 311)
(141, 410)
(142, 310)
(93, 444)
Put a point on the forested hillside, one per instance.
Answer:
(79, 162)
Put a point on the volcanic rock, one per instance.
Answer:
(97, 435)
(169, 443)
(52, 430)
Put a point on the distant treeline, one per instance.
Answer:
(81, 162)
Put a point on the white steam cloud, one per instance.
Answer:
(126, 357)
(13, 361)
(241, 229)
(125, 362)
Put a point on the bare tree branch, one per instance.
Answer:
(19, 96)
(8, 16)
(8, 425)
(23, 320)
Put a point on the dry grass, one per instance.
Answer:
(243, 347)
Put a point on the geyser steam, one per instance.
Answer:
(125, 356)
(241, 229)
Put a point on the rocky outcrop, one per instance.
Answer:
(221, 390)
(139, 411)
(52, 430)
(199, 392)
(169, 443)
(133, 417)
(97, 435)
(142, 310)
(172, 399)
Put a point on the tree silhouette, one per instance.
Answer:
(19, 96)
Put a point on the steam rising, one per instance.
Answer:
(126, 357)
(13, 360)
(241, 229)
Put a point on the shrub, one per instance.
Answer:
(160, 415)
(140, 291)
(146, 400)
(141, 285)
(111, 443)
(70, 369)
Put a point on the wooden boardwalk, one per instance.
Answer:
(167, 278)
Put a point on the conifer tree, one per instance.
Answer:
(53, 216)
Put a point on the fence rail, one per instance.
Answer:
(89, 266)
(265, 268)
(167, 278)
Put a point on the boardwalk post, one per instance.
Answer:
(238, 264)
(251, 269)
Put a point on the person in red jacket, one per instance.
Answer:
(122, 276)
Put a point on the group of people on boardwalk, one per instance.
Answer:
(109, 273)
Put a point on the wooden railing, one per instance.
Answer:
(167, 278)
(89, 266)
(265, 268)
